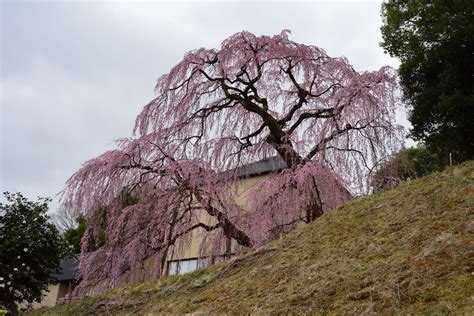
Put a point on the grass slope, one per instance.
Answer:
(408, 250)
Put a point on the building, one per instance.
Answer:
(187, 259)
(181, 259)
(61, 285)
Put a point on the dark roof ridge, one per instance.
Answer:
(265, 165)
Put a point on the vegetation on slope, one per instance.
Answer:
(408, 250)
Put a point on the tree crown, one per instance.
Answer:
(434, 42)
(219, 109)
(31, 249)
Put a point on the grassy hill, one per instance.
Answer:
(408, 250)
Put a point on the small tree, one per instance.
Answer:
(73, 235)
(219, 109)
(31, 249)
(412, 162)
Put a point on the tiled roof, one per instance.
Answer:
(69, 270)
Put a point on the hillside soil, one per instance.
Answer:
(405, 251)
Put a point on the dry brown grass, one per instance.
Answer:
(404, 251)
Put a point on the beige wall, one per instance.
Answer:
(55, 292)
(180, 252)
(49, 299)
(242, 189)
(65, 288)
(241, 197)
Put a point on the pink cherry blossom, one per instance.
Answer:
(221, 109)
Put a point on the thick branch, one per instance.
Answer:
(229, 229)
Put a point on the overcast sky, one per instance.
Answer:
(74, 75)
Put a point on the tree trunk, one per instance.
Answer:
(286, 151)
(292, 159)
(228, 248)
(315, 208)
(313, 211)
(169, 243)
(229, 229)
(163, 265)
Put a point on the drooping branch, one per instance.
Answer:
(221, 109)
(229, 229)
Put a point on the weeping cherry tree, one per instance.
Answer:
(221, 109)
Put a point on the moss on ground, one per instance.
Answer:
(405, 251)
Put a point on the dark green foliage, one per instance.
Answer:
(74, 235)
(128, 198)
(30, 248)
(100, 237)
(97, 235)
(434, 41)
(423, 161)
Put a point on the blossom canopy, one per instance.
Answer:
(221, 109)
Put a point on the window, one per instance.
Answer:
(178, 267)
